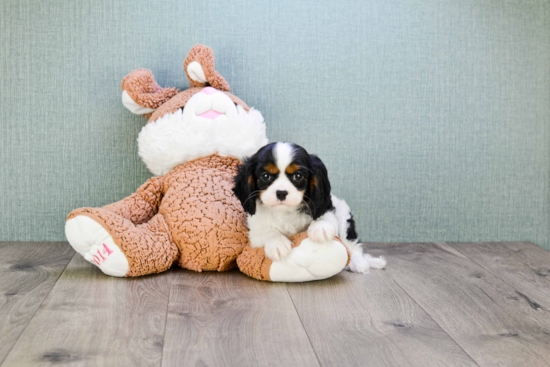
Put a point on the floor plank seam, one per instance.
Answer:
(430, 316)
(38, 308)
(166, 318)
(527, 299)
(303, 326)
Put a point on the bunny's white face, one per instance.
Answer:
(204, 120)
(210, 105)
(209, 123)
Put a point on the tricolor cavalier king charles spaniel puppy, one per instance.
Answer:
(285, 191)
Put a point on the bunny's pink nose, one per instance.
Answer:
(209, 90)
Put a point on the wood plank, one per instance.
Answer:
(228, 319)
(482, 313)
(93, 319)
(523, 265)
(368, 320)
(28, 271)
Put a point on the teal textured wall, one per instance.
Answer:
(433, 117)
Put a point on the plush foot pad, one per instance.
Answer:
(310, 261)
(96, 245)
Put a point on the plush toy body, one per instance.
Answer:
(188, 215)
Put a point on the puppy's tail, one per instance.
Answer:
(360, 262)
(376, 262)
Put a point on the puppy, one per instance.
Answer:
(285, 191)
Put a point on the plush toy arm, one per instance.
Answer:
(141, 94)
(307, 261)
(143, 204)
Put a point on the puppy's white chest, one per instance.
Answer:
(291, 223)
(286, 222)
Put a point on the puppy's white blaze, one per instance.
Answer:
(284, 153)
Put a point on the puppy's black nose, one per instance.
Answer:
(281, 194)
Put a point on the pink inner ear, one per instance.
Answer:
(210, 114)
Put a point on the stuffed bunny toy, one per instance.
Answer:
(187, 214)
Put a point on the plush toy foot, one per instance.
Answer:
(96, 245)
(307, 261)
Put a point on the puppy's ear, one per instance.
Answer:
(245, 186)
(319, 189)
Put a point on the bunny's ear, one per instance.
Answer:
(141, 94)
(199, 67)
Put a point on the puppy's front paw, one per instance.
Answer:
(321, 231)
(278, 248)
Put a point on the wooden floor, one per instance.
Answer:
(436, 304)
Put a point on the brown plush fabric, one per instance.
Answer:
(207, 220)
(254, 263)
(298, 238)
(143, 204)
(142, 88)
(190, 216)
(205, 57)
(174, 103)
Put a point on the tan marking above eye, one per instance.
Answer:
(271, 168)
(292, 168)
(251, 180)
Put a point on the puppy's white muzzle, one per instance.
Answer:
(272, 196)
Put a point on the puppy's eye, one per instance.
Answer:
(297, 177)
(265, 176)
